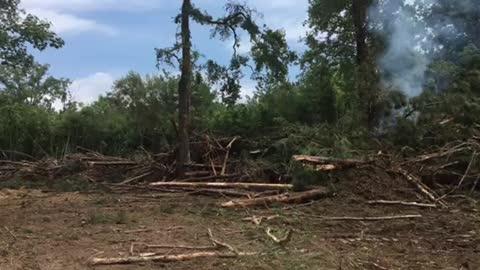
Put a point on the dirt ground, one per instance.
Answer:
(55, 231)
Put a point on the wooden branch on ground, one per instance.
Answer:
(112, 163)
(284, 198)
(133, 179)
(204, 166)
(369, 218)
(254, 186)
(277, 240)
(427, 192)
(258, 220)
(413, 204)
(179, 247)
(211, 177)
(221, 192)
(458, 148)
(217, 243)
(166, 258)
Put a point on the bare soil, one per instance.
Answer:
(56, 231)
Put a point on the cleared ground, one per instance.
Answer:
(49, 230)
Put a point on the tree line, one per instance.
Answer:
(349, 95)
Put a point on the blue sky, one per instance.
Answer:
(107, 38)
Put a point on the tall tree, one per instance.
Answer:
(184, 90)
(18, 31)
(340, 39)
(269, 51)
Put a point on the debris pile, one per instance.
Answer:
(431, 177)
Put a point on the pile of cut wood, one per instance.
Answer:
(214, 172)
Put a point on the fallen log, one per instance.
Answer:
(254, 186)
(284, 198)
(166, 258)
(328, 164)
(413, 204)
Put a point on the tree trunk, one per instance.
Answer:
(184, 92)
(360, 8)
(365, 75)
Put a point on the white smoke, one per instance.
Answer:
(408, 43)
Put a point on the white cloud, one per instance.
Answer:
(88, 89)
(92, 5)
(65, 18)
(281, 4)
(67, 23)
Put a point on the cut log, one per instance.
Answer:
(283, 198)
(253, 186)
(166, 258)
(328, 164)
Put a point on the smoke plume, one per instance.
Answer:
(409, 43)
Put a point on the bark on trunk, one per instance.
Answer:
(365, 73)
(184, 92)
(360, 8)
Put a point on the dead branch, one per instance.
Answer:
(284, 198)
(258, 220)
(133, 179)
(166, 258)
(253, 186)
(277, 240)
(229, 146)
(217, 243)
(427, 192)
(369, 218)
(178, 247)
(112, 163)
(10, 232)
(474, 155)
(208, 178)
(458, 148)
(222, 192)
(414, 204)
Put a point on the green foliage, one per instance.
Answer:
(31, 85)
(19, 30)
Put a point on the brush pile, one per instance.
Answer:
(432, 176)
(210, 161)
